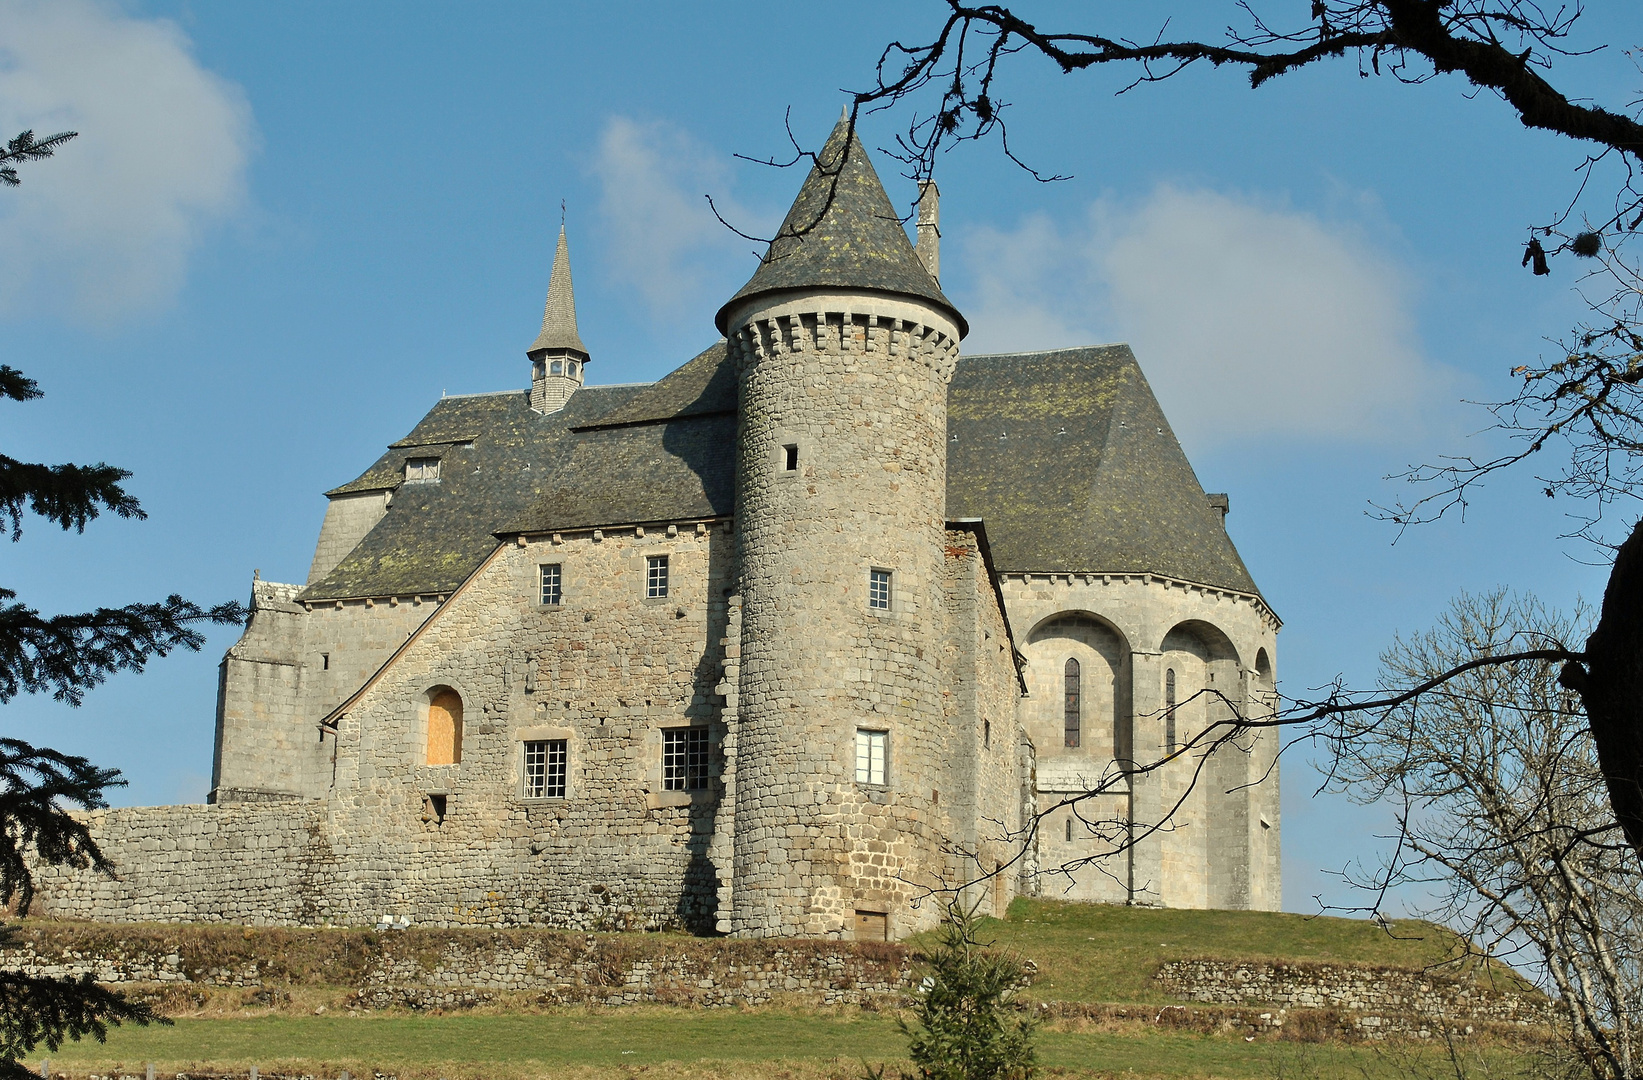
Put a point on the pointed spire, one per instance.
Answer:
(843, 233)
(559, 314)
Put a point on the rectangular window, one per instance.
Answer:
(790, 454)
(871, 750)
(545, 769)
(422, 469)
(656, 577)
(549, 574)
(684, 759)
(878, 589)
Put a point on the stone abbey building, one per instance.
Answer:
(830, 617)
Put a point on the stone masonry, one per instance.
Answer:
(825, 626)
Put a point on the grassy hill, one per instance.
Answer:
(1096, 952)
(1084, 953)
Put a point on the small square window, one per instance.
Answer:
(871, 755)
(545, 768)
(684, 759)
(549, 578)
(878, 590)
(422, 469)
(656, 577)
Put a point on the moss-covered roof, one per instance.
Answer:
(1065, 456)
(497, 457)
(1069, 460)
(842, 233)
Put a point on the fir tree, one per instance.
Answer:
(964, 1025)
(64, 655)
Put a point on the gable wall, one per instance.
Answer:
(611, 670)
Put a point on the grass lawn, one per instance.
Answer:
(661, 1042)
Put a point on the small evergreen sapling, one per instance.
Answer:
(964, 1025)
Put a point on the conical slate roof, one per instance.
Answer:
(842, 233)
(559, 314)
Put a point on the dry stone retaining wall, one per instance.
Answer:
(1369, 992)
(431, 968)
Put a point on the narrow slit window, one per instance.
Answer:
(550, 578)
(325, 661)
(878, 590)
(1072, 710)
(872, 756)
(1169, 710)
(1069, 830)
(545, 761)
(790, 456)
(656, 577)
(684, 759)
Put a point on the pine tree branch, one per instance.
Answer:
(38, 786)
(67, 655)
(67, 495)
(26, 147)
(17, 386)
(38, 1011)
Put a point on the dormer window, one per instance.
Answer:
(423, 470)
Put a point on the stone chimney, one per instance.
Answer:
(929, 227)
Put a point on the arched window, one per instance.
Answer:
(445, 727)
(570, 368)
(1072, 711)
(1069, 830)
(1169, 710)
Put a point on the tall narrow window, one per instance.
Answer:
(1072, 707)
(878, 589)
(872, 751)
(1069, 830)
(550, 579)
(445, 727)
(545, 768)
(790, 454)
(1169, 710)
(684, 759)
(656, 577)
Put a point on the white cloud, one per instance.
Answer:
(662, 237)
(105, 228)
(1247, 319)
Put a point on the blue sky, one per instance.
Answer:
(286, 229)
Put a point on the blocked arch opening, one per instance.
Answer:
(444, 745)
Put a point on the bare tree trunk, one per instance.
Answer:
(1610, 685)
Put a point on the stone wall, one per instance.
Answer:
(1127, 631)
(254, 864)
(1362, 990)
(441, 969)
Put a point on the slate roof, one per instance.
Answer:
(559, 311)
(842, 233)
(1064, 455)
(497, 457)
(1068, 459)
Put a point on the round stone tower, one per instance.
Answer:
(844, 346)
